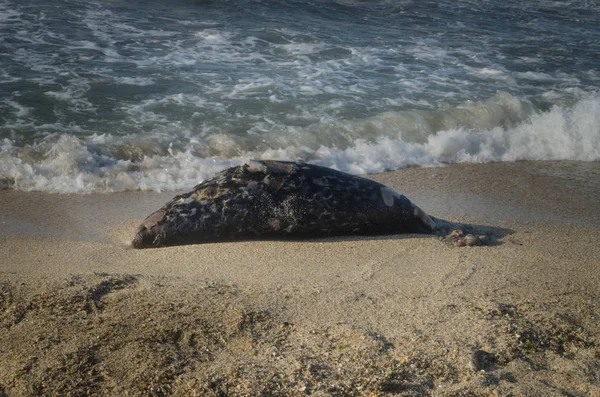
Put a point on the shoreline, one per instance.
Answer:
(384, 315)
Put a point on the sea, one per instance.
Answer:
(115, 95)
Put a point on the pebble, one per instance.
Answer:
(457, 233)
(471, 240)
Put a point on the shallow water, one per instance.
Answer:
(115, 95)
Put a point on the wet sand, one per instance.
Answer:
(82, 313)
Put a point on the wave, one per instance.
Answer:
(503, 128)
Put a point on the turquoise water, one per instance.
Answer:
(116, 95)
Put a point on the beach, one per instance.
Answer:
(484, 114)
(83, 313)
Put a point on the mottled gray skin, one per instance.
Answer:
(281, 199)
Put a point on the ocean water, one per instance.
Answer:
(113, 95)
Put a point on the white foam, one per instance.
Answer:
(20, 110)
(561, 134)
(487, 73)
(214, 37)
(298, 49)
(139, 81)
(250, 87)
(74, 94)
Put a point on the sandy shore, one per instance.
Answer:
(82, 313)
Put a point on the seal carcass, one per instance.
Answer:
(278, 199)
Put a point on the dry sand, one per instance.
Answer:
(82, 313)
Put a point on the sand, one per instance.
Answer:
(82, 313)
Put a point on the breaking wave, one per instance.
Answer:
(503, 128)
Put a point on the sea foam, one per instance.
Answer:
(501, 129)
